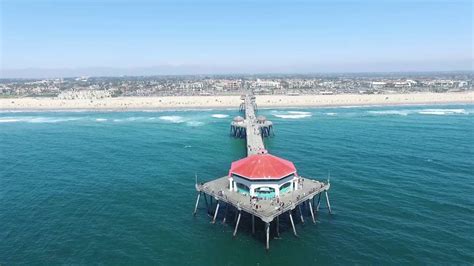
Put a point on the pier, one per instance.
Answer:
(262, 185)
(252, 128)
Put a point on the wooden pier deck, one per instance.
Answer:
(266, 209)
(254, 138)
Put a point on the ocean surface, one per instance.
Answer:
(118, 187)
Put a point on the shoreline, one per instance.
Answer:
(185, 109)
(177, 103)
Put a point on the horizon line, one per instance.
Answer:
(256, 73)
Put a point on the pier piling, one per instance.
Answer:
(301, 213)
(207, 204)
(215, 213)
(278, 226)
(327, 201)
(253, 224)
(319, 202)
(311, 211)
(225, 213)
(237, 224)
(197, 203)
(292, 224)
(267, 231)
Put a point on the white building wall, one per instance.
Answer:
(252, 185)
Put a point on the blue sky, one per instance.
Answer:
(236, 36)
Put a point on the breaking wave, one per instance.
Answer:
(194, 123)
(9, 120)
(442, 111)
(291, 114)
(172, 118)
(390, 112)
(29, 119)
(405, 112)
(299, 113)
(219, 115)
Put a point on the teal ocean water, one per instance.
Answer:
(118, 187)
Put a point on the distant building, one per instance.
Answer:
(326, 93)
(378, 84)
(267, 83)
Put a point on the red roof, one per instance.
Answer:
(262, 166)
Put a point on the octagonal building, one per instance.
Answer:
(263, 176)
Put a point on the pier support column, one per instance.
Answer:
(253, 224)
(267, 232)
(236, 214)
(319, 202)
(237, 224)
(327, 201)
(311, 211)
(278, 226)
(292, 223)
(197, 203)
(215, 213)
(301, 214)
(207, 204)
(225, 212)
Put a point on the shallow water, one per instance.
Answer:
(118, 187)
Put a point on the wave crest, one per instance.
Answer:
(219, 115)
(443, 112)
(194, 123)
(405, 112)
(292, 116)
(172, 118)
(31, 119)
(390, 112)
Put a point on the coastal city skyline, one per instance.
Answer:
(112, 38)
(212, 85)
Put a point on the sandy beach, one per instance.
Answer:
(177, 102)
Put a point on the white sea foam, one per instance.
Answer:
(219, 115)
(331, 114)
(31, 119)
(172, 118)
(194, 123)
(15, 111)
(129, 119)
(299, 113)
(292, 116)
(405, 112)
(391, 112)
(442, 111)
(133, 118)
(9, 120)
(52, 119)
